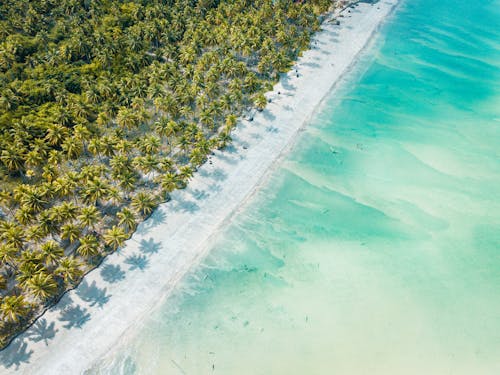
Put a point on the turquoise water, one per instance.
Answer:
(375, 248)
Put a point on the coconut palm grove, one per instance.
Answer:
(108, 106)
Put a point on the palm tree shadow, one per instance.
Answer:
(186, 206)
(64, 302)
(139, 262)
(149, 246)
(311, 64)
(41, 331)
(230, 149)
(199, 194)
(285, 82)
(75, 316)
(92, 294)
(15, 354)
(215, 188)
(268, 115)
(333, 33)
(112, 274)
(158, 217)
(216, 174)
(229, 157)
(256, 136)
(219, 175)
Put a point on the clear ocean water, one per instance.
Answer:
(375, 247)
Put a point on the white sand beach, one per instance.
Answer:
(110, 304)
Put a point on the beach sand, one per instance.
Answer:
(110, 304)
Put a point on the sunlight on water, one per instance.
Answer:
(375, 249)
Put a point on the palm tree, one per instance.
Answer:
(260, 101)
(92, 95)
(231, 121)
(13, 235)
(12, 158)
(186, 172)
(14, 308)
(51, 253)
(42, 286)
(126, 219)
(89, 246)
(3, 282)
(226, 102)
(123, 146)
(251, 82)
(33, 159)
(127, 180)
(188, 54)
(166, 128)
(95, 146)
(89, 216)
(65, 186)
(169, 105)
(149, 145)
(35, 233)
(50, 172)
(197, 157)
(206, 117)
(115, 197)
(69, 270)
(7, 202)
(223, 140)
(114, 237)
(68, 211)
(47, 223)
(72, 147)
(95, 190)
(108, 146)
(30, 266)
(127, 118)
(120, 164)
(33, 198)
(143, 203)
(56, 134)
(166, 165)
(70, 232)
(184, 143)
(147, 163)
(90, 172)
(169, 182)
(8, 255)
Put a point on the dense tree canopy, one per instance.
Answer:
(106, 106)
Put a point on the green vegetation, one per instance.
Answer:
(106, 107)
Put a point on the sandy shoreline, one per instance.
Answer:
(110, 304)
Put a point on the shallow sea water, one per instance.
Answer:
(375, 247)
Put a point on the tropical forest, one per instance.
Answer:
(106, 107)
